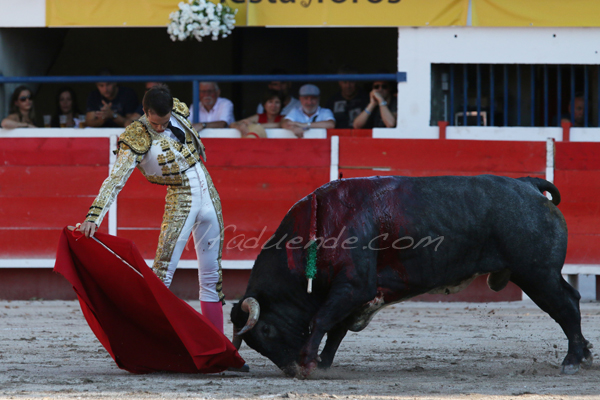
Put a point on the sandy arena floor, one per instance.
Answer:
(411, 350)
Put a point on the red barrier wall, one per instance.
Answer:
(577, 176)
(419, 157)
(46, 184)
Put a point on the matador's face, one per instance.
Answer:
(158, 123)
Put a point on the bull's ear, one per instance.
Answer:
(237, 315)
(264, 301)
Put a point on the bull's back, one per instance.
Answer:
(446, 229)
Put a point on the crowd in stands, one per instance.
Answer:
(114, 105)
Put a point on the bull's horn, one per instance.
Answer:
(251, 306)
(237, 340)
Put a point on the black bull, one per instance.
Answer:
(382, 240)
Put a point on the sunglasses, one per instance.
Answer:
(24, 98)
(380, 86)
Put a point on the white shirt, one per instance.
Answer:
(322, 114)
(221, 111)
(294, 103)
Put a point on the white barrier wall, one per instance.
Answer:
(418, 48)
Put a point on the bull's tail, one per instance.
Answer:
(544, 186)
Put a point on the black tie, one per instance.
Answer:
(177, 132)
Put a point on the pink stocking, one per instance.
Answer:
(214, 313)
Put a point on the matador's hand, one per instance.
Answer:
(88, 228)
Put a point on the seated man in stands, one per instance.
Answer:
(348, 103)
(381, 112)
(110, 105)
(309, 115)
(269, 119)
(288, 102)
(578, 115)
(215, 111)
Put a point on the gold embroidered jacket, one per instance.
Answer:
(159, 158)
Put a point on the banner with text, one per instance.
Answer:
(357, 12)
(138, 13)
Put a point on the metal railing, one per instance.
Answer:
(196, 79)
(517, 94)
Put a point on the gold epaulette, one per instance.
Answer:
(180, 108)
(137, 137)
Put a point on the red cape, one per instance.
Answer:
(138, 320)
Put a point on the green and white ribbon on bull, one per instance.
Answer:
(200, 18)
(311, 256)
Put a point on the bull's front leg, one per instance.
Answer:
(334, 338)
(342, 301)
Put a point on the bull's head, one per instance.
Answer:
(274, 336)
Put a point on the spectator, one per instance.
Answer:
(110, 105)
(140, 110)
(215, 111)
(289, 102)
(309, 115)
(271, 118)
(66, 104)
(348, 103)
(578, 115)
(381, 111)
(21, 110)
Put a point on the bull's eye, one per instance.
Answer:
(268, 331)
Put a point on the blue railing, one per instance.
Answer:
(196, 79)
(521, 93)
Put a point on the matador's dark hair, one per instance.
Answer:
(158, 100)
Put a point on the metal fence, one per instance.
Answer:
(515, 94)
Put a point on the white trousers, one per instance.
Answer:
(202, 222)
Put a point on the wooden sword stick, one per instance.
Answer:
(72, 228)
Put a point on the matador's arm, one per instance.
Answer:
(134, 143)
(121, 171)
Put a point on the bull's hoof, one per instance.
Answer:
(569, 369)
(292, 371)
(324, 366)
(307, 369)
(587, 362)
(324, 363)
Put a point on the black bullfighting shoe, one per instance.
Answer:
(244, 368)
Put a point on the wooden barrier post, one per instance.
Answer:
(566, 127)
(442, 125)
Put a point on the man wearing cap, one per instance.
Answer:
(309, 115)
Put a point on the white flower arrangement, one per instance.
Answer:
(201, 18)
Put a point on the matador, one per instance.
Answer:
(166, 149)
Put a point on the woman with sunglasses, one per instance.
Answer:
(382, 109)
(21, 110)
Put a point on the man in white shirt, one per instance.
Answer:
(215, 111)
(309, 115)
